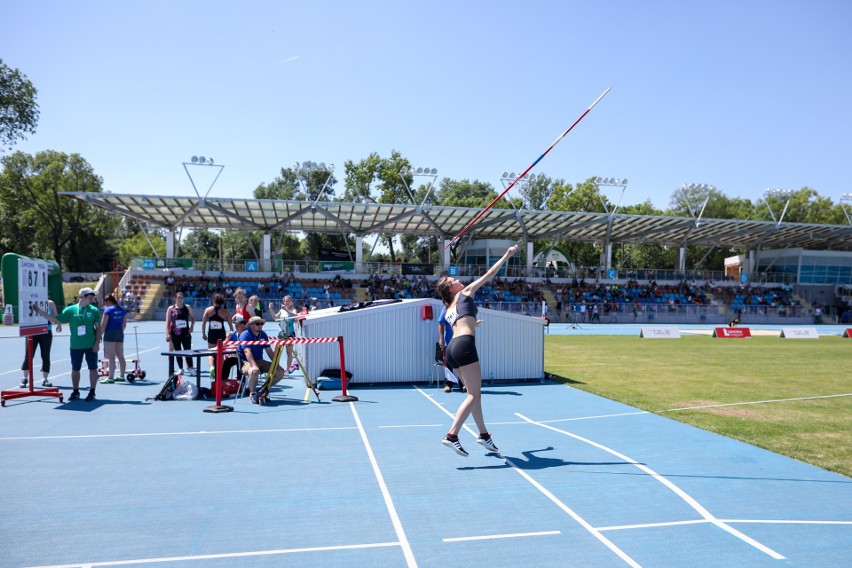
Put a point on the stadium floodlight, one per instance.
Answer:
(785, 194)
(200, 160)
(422, 172)
(844, 199)
(600, 182)
(610, 182)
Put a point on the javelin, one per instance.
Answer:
(549, 148)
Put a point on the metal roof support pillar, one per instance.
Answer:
(681, 260)
(445, 256)
(359, 253)
(608, 258)
(170, 244)
(266, 253)
(530, 250)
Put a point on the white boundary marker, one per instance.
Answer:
(156, 434)
(218, 556)
(496, 536)
(674, 488)
(397, 524)
(570, 512)
(755, 402)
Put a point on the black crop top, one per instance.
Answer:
(465, 306)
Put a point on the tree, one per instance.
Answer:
(75, 235)
(536, 193)
(377, 180)
(18, 108)
(201, 243)
(137, 245)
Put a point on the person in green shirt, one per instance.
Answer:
(83, 320)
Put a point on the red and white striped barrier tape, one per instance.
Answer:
(292, 341)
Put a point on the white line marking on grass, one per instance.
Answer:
(594, 417)
(151, 434)
(756, 402)
(674, 488)
(570, 512)
(223, 555)
(397, 524)
(496, 536)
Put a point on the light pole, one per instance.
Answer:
(523, 183)
(599, 182)
(305, 169)
(431, 173)
(202, 161)
(844, 199)
(785, 194)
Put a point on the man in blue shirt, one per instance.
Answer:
(253, 363)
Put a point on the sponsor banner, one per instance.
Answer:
(411, 268)
(733, 332)
(659, 333)
(347, 266)
(168, 263)
(333, 255)
(799, 333)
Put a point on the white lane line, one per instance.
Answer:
(654, 525)
(785, 522)
(731, 521)
(53, 362)
(674, 488)
(397, 524)
(513, 422)
(154, 434)
(217, 556)
(756, 402)
(570, 512)
(496, 536)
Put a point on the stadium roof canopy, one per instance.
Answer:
(396, 219)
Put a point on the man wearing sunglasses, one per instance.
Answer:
(253, 363)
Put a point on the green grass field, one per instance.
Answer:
(661, 375)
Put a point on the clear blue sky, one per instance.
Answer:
(741, 94)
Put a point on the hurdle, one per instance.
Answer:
(221, 345)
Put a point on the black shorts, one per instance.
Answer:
(462, 351)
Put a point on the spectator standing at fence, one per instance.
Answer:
(180, 322)
(461, 352)
(286, 317)
(253, 307)
(43, 341)
(213, 327)
(84, 323)
(113, 322)
(241, 304)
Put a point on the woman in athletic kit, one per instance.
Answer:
(213, 326)
(180, 322)
(461, 352)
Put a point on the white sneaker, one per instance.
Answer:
(455, 445)
(487, 442)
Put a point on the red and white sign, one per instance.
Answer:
(847, 332)
(732, 332)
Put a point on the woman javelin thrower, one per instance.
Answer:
(461, 352)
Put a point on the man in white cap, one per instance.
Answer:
(83, 320)
(252, 360)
